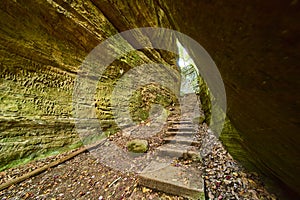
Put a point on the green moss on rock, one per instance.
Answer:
(137, 146)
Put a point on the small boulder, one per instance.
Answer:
(137, 146)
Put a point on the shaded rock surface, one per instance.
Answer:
(254, 45)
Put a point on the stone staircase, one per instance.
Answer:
(180, 142)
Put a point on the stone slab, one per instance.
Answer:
(182, 140)
(182, 129)
(186, 182)
(183, 152)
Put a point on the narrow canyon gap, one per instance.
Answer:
(255, 45)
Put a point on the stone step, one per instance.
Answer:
(181, 122)
(182, 140)
(182, 129)
(175, 151)
(185, 182)
(183, 125)
(185, 119)
(187, 134)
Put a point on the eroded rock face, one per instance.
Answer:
(43, 43)
(254, 44)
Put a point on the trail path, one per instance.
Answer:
(178, 172)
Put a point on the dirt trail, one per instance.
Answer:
(86, 177)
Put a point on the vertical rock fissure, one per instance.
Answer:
(193, 82)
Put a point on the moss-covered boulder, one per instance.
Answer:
(137, 146)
